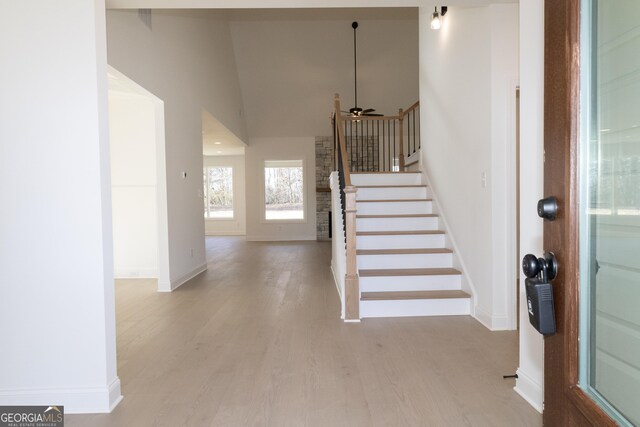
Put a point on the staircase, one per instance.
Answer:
(403, 264)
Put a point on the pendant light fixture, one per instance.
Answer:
(436, 18)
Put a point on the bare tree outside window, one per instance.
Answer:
(284, 190)
(218, 191)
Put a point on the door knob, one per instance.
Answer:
(546, 267)
(540, 272)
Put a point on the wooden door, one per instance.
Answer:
(566, 403)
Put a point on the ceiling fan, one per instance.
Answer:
(357, 111)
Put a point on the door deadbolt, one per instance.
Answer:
(548, 208)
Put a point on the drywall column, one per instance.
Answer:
(57, 312)
(132, 126)
(530, 371)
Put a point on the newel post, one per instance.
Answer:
(351, 282)
(401, 150)
(336, 128)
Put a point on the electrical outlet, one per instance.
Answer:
(191, 252)
(483, 180)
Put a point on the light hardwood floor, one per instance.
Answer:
(257, 341)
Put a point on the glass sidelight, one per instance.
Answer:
(610, 207)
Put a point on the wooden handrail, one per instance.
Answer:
(351, 280)
(410, 109)
(341, 143)
(358, 118)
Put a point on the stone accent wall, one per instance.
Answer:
(324, 167)
(366, 158)
(363, 153)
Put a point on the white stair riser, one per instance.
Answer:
(421, 307)
(396, 224)
(412, 241)
(385, 179)
(392, 193)
(405, 261)
(410, 283)
(391, 208)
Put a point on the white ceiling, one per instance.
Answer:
(291, 63)
(217, 140)
(298, 79)
(267, 4)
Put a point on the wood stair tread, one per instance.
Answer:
(408, 272)
(393, 200)
(403, 251)
(399, 216)
(397, 233)
(412, 295)
(393, 186)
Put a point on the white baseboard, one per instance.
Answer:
(224, 233)
(482, 317)
(491, 321)
(530, 390)
(175, 284)
(335, 280)
(135, 274)
(281, 238)
(84, 400)
(352, 321)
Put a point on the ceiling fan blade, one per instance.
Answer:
(369, 110)
(372, 115)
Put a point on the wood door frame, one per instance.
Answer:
(517, 290)
(565, 402)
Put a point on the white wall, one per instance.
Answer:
(188, 62)
(57, 312)
(259, 150)
(133, 185)
(291, 68)
(468, 76)
(531, 367)
(237, 225)
(504, 31)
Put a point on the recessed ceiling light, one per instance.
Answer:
(217, 143)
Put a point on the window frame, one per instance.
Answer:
(233, 193)
(263, 196)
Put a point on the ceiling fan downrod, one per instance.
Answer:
(355, 110)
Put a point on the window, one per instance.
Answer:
(283, 190)
(218, 192)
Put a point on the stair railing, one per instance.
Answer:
(382, 143)
(367, 144)
(348, 202)
(410, 125)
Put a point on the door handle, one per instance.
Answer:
(546, 267)
(540, 272)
